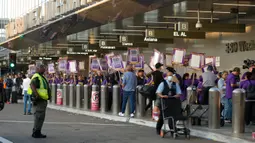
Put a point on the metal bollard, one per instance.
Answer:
(140, 112)
(191, 95)
(214, 108)
(86, 97)
(104, 98)
(238, 111)
(71, 95)
(53, 93)
(65, 98)
(116, 99)
(95, 98)
(78, 96)
(127, 111)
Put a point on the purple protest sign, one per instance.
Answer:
(195, 61)
(156, 57)
(210, 60)
(62, 65)
(108, 59)
(178, 56)
(133, 55)
(51, 68)
(140, 65)
(103, 64)
(117, 62)
(73, 66)
(94, 64)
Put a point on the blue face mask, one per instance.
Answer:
(169, 78)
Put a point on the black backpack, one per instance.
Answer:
(250, 92)
(9, 82)
(148, 91)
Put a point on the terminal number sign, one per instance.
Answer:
(241, 46)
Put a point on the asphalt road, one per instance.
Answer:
(62, 127)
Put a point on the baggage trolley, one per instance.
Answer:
(171, 110)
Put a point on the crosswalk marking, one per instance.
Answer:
(3, 140)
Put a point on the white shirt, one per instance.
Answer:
(26, 84)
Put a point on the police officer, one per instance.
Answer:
(40, 91)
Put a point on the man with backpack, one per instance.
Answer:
(9, 85)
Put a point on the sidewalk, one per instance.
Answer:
(222, 135)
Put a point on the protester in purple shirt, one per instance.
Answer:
(199, 89)
(231, 84)
(246, 80)
(244, 76)
(194, 79)
(66, 80)
(186, 83)
(80, 80)
(58, 80)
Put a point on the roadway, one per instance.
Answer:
(62, 127)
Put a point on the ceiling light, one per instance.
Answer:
(215, 12)
(234, 4)
(182, 17)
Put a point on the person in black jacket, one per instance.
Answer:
(165, 89)
(157, 77)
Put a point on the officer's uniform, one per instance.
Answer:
(40, 103)
(169, 89)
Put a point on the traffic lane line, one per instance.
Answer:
(3, 140)
(67, 123)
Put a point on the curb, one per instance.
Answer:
(194, 132)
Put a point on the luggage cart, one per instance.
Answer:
(171, 110)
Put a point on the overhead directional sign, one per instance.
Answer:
(85, 49)
(45, 58)
(141, 39)
(169, 34)
(115, 45)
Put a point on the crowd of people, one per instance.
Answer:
(168, 83)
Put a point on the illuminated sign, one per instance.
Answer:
(170, 34)
(77, 53)
(148, 39)
(179, 34)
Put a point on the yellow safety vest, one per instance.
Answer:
(42, 91)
